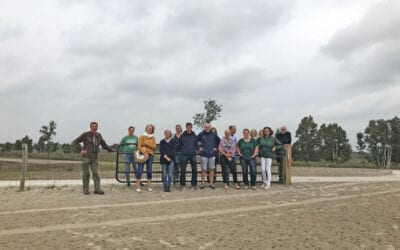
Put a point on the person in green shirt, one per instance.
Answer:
(267, 146)
(247, 152)
(129, 146)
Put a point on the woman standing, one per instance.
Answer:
(146, 145)
(227, 149)
(167, 158)
(254, 134)
(267, 146)
(247, 150)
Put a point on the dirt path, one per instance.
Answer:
(344, 215)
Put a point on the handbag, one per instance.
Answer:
(140, 157)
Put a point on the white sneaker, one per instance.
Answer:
(268, 186)
(138, 190)
(149, 189)
(263, 185)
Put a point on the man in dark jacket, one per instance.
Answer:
(208, 146)
(91, 146)
(284, 137)
(188, 153)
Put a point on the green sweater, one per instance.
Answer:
(131, 144)
(265, 145)
(247, 148)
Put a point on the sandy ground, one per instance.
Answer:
(309, 215)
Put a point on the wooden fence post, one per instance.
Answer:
(24, 166)
(287, 164)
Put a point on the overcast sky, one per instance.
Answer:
(125, 63)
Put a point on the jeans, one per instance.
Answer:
(185, 158)
(246, 164)
(149, 168)
(228, 166)
(129, 159)
(93, 164)
(177, 165)
(266, 170)
(167, 170)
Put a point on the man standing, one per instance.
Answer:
(91, 141)
(188, 153)
(284, 137)
(178, 154)
(232, 128)
(208, 147)
(129, 146)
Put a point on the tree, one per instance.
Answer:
(360, 143)
(7, 147)
(334, 146)
(48, 133)
(18, 145)
(212, 112)
(395, 139)
(27, 140)
(307, 146)
(379, 135)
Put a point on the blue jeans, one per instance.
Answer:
(129, 159)
(149, 168)
(253, 171)
(167, 170)
(185, 158)
(177, 164)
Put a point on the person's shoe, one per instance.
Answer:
(149, 189)
(226, 186)
(99, 192)
(168, 189)
(165, 189)
(194, 188)
(263, 185)
(202, 186)
(183, 189)
(212, 187)
(128, 184)
(86, 192)
(253, 187)
(139, 190)
(268, 186)
(246, 187)
(237, 186)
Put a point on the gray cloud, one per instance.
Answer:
(368, 51)
(379, 25)
(9, 31)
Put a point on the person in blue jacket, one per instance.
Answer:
(167, 157)
(208, 146)
(188, 147)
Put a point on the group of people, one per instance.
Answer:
(177, 150)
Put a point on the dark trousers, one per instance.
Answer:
(228, 166)
(192, 159)
(246, 164)
(177, 165)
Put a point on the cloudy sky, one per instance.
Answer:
(129, 62)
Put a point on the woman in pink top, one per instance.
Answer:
(227, 149)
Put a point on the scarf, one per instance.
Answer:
(145, 134)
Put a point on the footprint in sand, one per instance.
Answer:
(165, 243)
